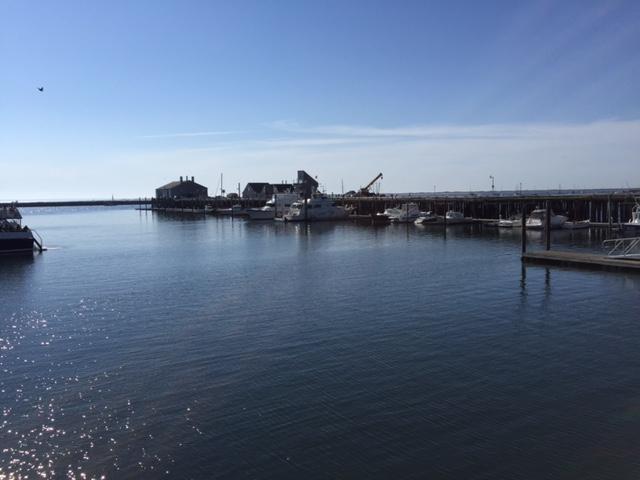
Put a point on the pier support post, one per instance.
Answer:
(547, 226)
(524, 228)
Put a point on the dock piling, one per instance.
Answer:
(547, 226)
(524, 228)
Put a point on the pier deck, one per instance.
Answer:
(581, 260)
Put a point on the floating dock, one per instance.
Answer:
(582, 260)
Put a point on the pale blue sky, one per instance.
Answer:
(430, 93)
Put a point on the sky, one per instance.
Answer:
(433, 94)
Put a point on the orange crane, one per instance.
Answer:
(364, 191)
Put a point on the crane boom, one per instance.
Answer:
(365, 190)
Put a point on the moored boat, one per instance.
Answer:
(427, 217)
(14, 237)
(406, 213)
(633, 225)
(278, 205)
(317, 208)
(580, 225)
(453, 217)
(537, 219)
(512, 222)
(234, 210)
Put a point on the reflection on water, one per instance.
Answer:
(154, 346)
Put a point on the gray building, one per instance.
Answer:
(306, 185)
(183, 188)
(257, 191)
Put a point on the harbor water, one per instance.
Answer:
(143, 345)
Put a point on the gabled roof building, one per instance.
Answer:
(306, 185)
(182, 189)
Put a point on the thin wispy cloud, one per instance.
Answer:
(189, 134)
(456, 132)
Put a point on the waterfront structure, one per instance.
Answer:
(183, 188)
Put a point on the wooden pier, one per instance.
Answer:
(608, 209)
(581, 260)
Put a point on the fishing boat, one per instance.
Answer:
(317, 208)
(536, 220)
(14, 237)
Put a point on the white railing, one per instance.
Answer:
(623, 247)
(38, 239)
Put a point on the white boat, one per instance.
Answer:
(15, 238)
(634, 222)
(279, 205)
(263, 213)
(317, 208)
(427, 217)
(234, 210)
(581, 225)
(536, 220)
(510, 222)
(406, 213)
(452, 217)
(390, 212)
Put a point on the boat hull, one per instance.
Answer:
(510, 224)
(16, 242)
(631, 228)
(259, 214)
(582, 225)
(314, 218)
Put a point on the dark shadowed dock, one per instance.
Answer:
(581, 260)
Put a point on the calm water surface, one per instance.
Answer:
(146, 346)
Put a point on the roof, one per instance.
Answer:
(279, 187)
(171, 185)
(257, 186)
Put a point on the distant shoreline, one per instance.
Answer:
(80, 203)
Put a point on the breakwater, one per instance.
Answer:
(79, 203)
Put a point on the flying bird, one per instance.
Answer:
(41, 89)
